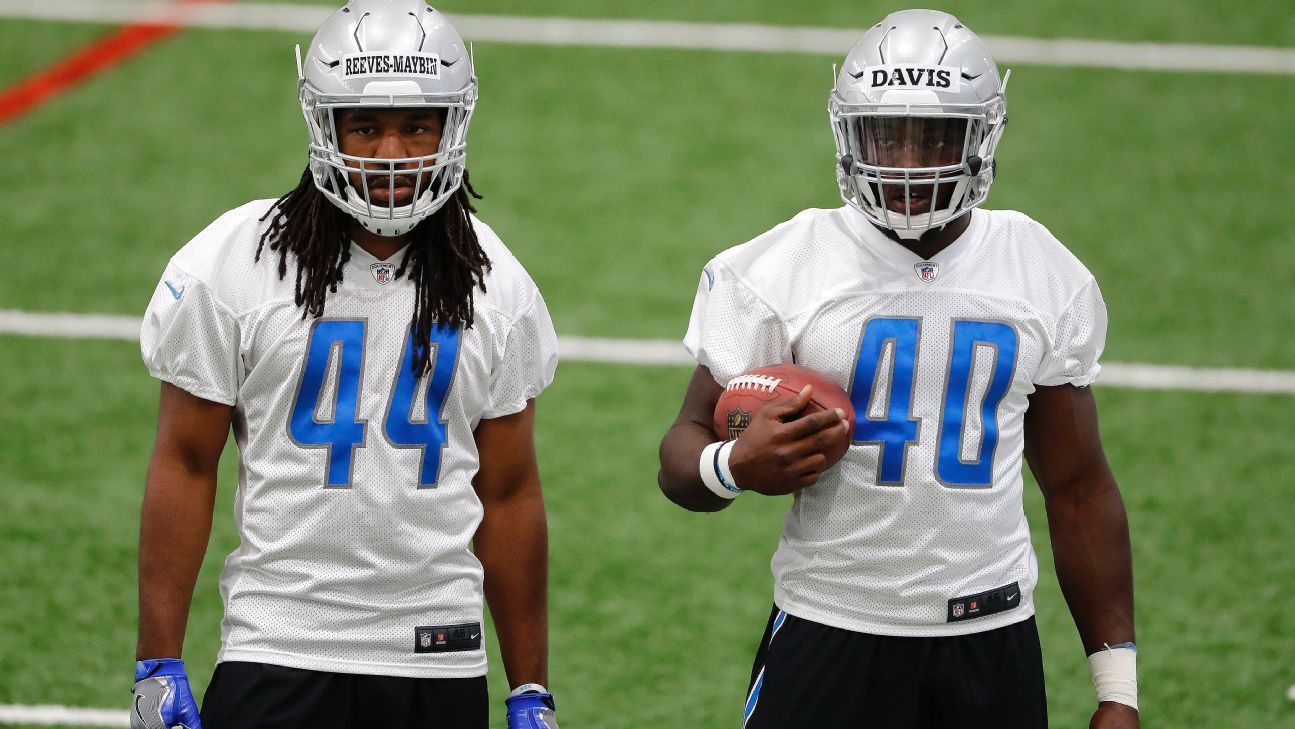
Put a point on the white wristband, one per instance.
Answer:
(1115, 675)
(715, 472)
(528, 688)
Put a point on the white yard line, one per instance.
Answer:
(832, 42)
(63, 716)
(668, 352)
(71, 326)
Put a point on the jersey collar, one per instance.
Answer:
(902, 259)
(366, 271)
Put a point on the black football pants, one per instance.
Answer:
(264, 696)
(808, 675)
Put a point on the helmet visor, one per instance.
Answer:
(912, 164)
(911, 142)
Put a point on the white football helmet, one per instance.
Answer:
(387, 54)
(917, 111)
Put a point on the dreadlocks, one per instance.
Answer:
(444, 258)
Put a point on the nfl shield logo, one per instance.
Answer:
(425, 640)
(927, 270)
(737, 421)
(383, 273)
(957, 610)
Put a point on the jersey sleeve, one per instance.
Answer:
(732, 330)
(1077, 342)
(190, 339)
(529, 361)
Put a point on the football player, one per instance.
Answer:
(376, 351)
(967, 339)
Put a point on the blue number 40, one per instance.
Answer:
(335, 354)
(896, 429)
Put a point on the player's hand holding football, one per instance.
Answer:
(783, 451)
(1110, 715)
(162, 698)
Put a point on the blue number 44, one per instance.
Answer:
(335, 354)
(895, 430)
(428, 432)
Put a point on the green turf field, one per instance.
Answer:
(1264, 22)
(614, 175)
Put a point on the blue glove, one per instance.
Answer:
(531, 706)
(162, 696)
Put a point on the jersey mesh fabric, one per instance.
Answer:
(336, 578)
(529, 344)
(190, 339)
(855, 552)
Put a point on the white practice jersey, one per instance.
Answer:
(919, 530)
(355, 505)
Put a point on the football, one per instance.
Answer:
(747, 393)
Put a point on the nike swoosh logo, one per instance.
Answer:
(478, 635)
(1011, 596)
(177, 293)
(137, 711)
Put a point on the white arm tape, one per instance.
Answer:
(1115, 674)
(715, 472)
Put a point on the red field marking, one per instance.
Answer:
(34, 90)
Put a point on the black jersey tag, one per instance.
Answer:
(447, 638)
(985, 603)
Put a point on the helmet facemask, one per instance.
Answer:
(435, 177)
(911, 167)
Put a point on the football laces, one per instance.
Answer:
(762, 383)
